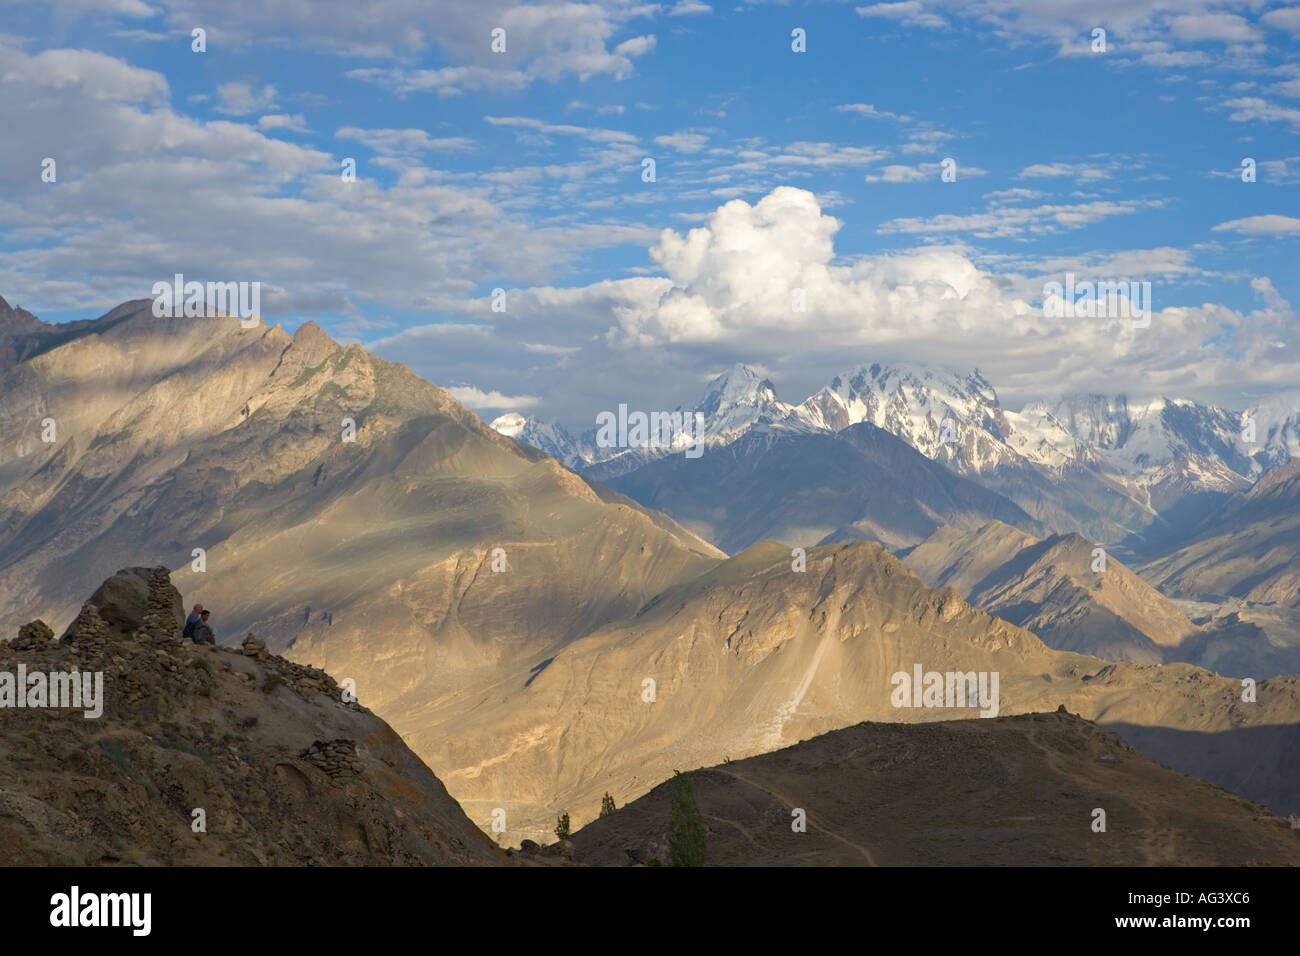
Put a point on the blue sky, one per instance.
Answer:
(523, 171)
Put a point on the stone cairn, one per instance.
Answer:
(159, 622)
(32, 636)
(338, 758)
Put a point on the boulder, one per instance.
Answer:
(123, 601)
(254, 647)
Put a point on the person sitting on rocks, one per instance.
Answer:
(192, 620)
(202, 633)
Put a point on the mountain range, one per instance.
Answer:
(1120, 473)
(537, 637)
(1066, 593)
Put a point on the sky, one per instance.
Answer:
(799, 153)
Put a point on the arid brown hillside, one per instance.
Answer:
(1011, 791)
(285, 772)
(754, 656)
(339, 500)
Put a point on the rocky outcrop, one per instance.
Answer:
(206, 755)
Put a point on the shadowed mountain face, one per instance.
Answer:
(336, 497)
(1015, 791)
(804, 489)
(1051, 588)
(281, 770)
(1248, 549)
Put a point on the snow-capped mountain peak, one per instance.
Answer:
(737, 400)
(552, 438)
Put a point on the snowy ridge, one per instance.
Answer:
(1159, 450)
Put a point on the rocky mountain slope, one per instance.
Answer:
(207, 756)
(1012, 791)
(1248, 549)
(335, 496)
(1050, 588)
(754, 655)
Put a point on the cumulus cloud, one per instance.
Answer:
(728, 291)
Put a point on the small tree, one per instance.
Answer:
(562, 827)
(687, 837)
(607, 805)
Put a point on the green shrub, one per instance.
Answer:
(687, 838)
(562, 827)
(607, 805)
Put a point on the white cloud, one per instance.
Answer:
(295, 123)
(240, 99)
(867, 109)
(477, 398)
(92, 75)
(637, 46)
(1270, 225)
(594, 134)
(684, 142)
(615, 109)
(910, 13)
(926, 141)
(1286, 18)
(919, 173)
(144, 192)
(686, 8)
(1175, 59)
(1249, 108)
(394, 141)
(1080, 171)
(1005, 221)
(1227, 27)
(1013, 195)
(447, 81)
